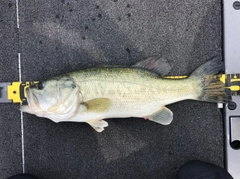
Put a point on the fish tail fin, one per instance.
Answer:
(208, 78)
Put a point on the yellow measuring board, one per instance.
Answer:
(16, 92)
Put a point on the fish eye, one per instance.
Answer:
(40, 85)
(73, 86)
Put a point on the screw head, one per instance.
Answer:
(236, 5)
(232, 105)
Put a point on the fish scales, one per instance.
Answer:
(128, 87)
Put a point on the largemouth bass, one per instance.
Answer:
(91, 95)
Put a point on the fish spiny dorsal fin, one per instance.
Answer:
(154, 64)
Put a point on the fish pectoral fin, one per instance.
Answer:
(163, 116)
(155, 64)
(98, 105)
(97, 124)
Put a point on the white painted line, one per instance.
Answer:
(23, 151)
(22, 127)
(17, 12)
(19, 67)
(20, 79)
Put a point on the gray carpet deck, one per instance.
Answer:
(59, 36)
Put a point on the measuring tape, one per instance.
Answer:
(15, 92)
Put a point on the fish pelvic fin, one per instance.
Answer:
(208, 78)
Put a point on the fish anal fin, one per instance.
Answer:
(164, 116)
(98, 105)
(97, 124)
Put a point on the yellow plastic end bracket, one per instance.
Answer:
(14, 92)
(17, 91)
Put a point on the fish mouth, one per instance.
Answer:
(31, 97)
(32, 103)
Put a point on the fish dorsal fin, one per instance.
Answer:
(155, 64)
(98, 105)
(164, 116)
